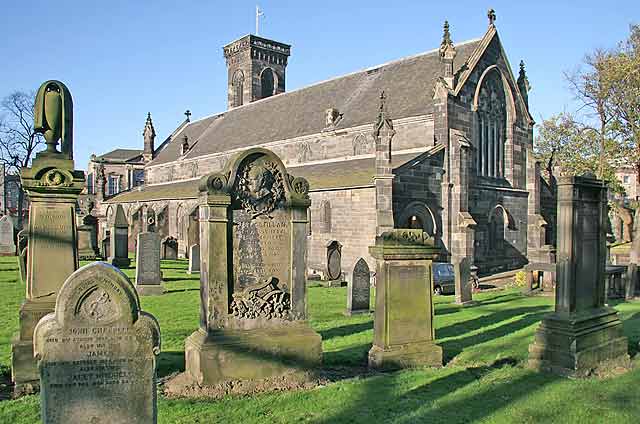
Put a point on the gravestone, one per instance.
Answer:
(97, 352)
(87, 238)
(148, 274)
(403, 334)
(253, 321)
(334, 264)
(52, 186)
(119, 240)
(359, 289)
(22, 252)
(582, 332)
(463, 281)
(194, 259)
(7, 244)
(106, 245)
(169, 248)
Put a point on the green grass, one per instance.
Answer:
(484, 379)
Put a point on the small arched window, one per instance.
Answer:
(267, 83)
(238, 88)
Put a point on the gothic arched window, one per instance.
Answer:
(491, 126)
(267, 83)
(238, 87)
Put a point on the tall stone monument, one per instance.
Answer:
(253, 219)
(359, 289)
(403, 334)
(194, 259)
(463, 281)
(148, 274)
(53, 187)
(582, 332)
(7, 243)
(97, 352)
(119, 240)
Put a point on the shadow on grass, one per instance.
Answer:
(170, 362)
(181, 290)
(379, 397)
(346, 330)
(180, 279)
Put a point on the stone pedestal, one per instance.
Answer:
(403, 325)
(53, 188)
(252, 274)
(582, 332)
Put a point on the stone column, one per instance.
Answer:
(582, 332)
(403, 324)
(53, 187)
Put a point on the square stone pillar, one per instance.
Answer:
(403, 323)
(53, 187)
(582, 332)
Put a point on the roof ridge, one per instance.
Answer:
(360, 71)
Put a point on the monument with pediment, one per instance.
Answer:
(53, 186)
(253, 321)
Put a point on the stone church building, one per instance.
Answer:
(441, 141)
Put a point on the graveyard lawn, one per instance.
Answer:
(484, 380)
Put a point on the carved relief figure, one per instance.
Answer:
(260, 187)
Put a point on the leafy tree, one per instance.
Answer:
(18, 141)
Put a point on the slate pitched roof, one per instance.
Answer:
(122, 155)
(330, 175)
(408, 83)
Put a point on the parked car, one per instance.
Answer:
(443, 278)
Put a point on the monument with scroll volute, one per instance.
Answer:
(582, 332)
(253, 321)
(53, 186)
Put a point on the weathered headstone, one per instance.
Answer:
(22, 252)
(463, 281)
(119, 240)
(582, 332)
(403, 322)
(359, 289)
(334, 262)
(53, 187)
(148, 274)
(106, 245)
(97, 352)
(87, 238)
(194, 259)
(169, 248)
(253, 280)
(7, 243)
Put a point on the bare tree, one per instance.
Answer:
(18, 141)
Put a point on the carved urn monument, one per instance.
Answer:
(253, 219)
(53, 186)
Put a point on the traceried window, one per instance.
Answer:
(237, 88)
(491, 126)
(266, 83)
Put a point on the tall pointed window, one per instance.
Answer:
(238, 88)
(266, 83)
(491, 126)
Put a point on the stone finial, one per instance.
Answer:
(447, 55)
(383, 121)
(53, 116)
(149, 130)
(491, 14)
(523, 83)
(187, 113)
(446, 37)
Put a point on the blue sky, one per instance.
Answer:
(124, 58)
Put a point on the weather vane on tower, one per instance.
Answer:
(259, 13)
